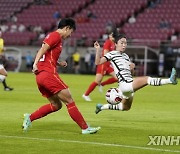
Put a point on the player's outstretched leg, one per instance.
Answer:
(120, 106)
(173, 76)
(26, 122)
(158, 81)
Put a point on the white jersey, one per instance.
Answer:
(121, 64)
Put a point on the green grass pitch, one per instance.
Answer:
(155, 111)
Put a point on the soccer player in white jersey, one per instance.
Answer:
(123, 68)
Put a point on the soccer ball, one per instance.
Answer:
(113, 96)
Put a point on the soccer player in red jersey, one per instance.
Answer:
(103, 69)
(50, 84)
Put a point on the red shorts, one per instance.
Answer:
(105, 68)
(49, 84)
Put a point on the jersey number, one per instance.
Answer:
(43, 58)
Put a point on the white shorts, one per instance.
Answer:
(126, 89)
(1, 66)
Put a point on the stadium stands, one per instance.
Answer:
(144, 31)
(147, 23)
(9, 7)
(18, 38)
(113, 11)
(34, 15)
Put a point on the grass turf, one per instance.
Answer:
(155, 111)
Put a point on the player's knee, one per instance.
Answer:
(98, 82)
(57, 105)
(68, 100)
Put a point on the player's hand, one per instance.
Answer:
(63, 63)
(35, 69)
(132, 66)
(96, 45)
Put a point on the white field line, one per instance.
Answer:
(92, 143)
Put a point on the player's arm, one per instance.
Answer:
(98, 59)
(132, 67)
(39, 55)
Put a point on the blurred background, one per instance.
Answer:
(151, 26)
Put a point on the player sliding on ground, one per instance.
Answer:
(123, 68)
(50, 84)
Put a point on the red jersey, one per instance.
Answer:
(48, 62)
(108, 45)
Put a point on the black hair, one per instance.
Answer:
(114, 33)
(67, 22)
(118, 37)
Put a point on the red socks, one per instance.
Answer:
(94, 84)
(91, 88)
(109, 81)
(49, 108)
(43, 111)
(76, 115)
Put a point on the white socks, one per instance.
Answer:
(158, 81)
(2, 78)
(112, 107)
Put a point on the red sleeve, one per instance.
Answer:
(107, 45)
(52, 39)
